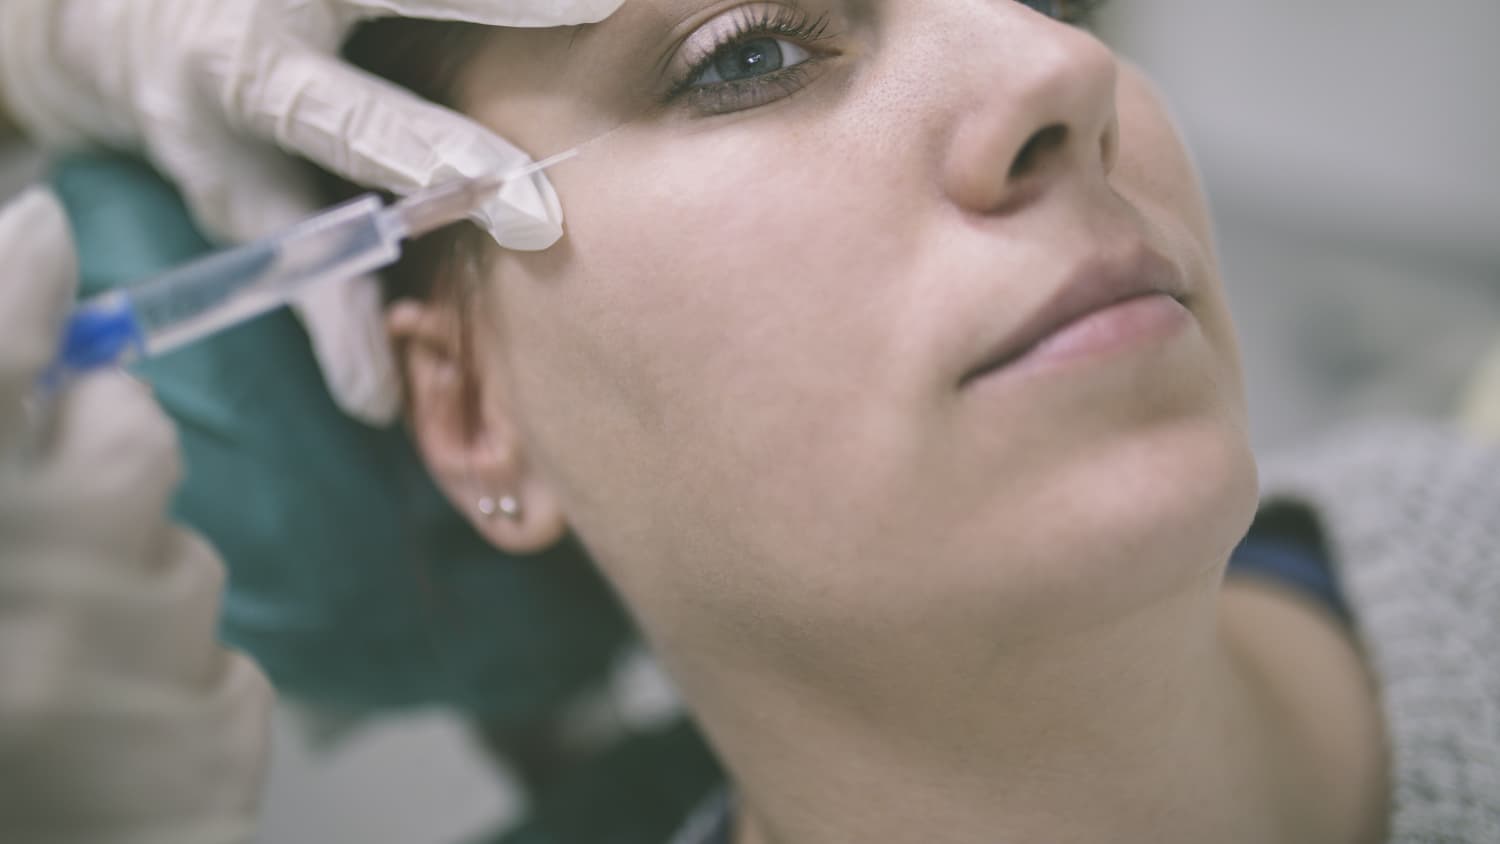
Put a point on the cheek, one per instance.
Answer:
(1156, 175)
(1155, 167)
(730, 288)
(716, 342)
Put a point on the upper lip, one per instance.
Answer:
(1101, 282)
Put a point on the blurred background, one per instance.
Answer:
(1352, 154)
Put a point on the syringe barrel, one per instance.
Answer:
(161, 314)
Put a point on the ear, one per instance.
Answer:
(463, 425)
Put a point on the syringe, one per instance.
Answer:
(158, 315)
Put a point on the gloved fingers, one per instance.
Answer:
(184, 764)
(519, 13)
(346, 324)
(326, 24)
(375, 133)
(112, 465)
(41, 89)
(36, 291)
(122, 622)
(161, 626)
(239, 189)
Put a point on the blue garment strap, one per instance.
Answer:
(1285, 545)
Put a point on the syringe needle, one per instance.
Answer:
(426, 212)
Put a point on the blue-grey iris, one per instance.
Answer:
(753, 58)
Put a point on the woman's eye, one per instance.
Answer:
(754, 56)
(748, 60)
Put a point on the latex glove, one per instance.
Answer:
(208, 89)
(121, 719)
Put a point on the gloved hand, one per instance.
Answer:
(208, 88)
(121, 719)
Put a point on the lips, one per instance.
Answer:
(1097, 285)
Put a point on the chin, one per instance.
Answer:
(1121, 524)
(1172, 505)
(1207, 492)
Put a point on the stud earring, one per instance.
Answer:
(506, 505)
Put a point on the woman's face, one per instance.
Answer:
(756, 374)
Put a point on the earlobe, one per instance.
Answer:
(519, 521)
(463, 427)
(507, 505)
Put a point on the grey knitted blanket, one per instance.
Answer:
(1411, 515)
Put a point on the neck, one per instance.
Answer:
(1144, 729)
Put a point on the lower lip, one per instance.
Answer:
(1106, 332)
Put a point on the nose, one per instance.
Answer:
(1043, 112)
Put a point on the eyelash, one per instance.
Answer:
(723, 97)
(796, 24)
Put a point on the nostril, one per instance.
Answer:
(1037, 147)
